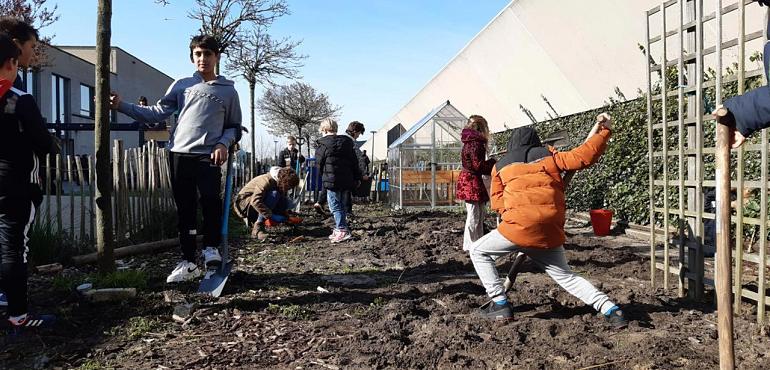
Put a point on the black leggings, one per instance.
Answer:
(193, 175)
(17, 212)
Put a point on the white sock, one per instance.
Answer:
(17, 320)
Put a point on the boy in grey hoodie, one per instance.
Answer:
(209, 123)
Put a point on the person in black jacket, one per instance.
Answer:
(291, 157)
(23, 137)
(338, 164)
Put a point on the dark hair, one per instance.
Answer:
(143, 99)
(8, 49)
(18, 29)
(354, 127)
(204, 42)
(287, 180)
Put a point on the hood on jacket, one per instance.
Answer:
(470, 135)
(334, 142)
(274, 172)
(524, 146)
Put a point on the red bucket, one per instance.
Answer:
(601, 220)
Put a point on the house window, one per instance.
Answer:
(29, 80)
(59, 99)
(86, 101)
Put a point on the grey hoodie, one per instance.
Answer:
(209, 113)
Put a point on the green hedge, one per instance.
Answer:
(620, 180)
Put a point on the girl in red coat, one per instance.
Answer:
(470, 186)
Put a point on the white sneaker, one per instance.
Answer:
(341, 236)
(184, 271)
(211, 257)
(334, 234)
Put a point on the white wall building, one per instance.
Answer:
(574, 53)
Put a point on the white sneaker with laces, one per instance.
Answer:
(184, 271)
(211, 257)
(341, 236)
(334, 234)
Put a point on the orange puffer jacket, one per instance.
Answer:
(530, 196)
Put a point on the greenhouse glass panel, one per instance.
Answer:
(424, 163)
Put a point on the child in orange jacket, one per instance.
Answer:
(528, 193)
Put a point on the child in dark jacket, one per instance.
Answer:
(23, 137)
(338, 164)
(470, 185)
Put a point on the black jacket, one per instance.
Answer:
(338, 162)
(291, 157)
(23, 137)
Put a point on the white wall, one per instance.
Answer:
(575, 53)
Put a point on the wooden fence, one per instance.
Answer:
(142, 200)
(682, 154)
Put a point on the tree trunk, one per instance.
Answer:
(253, 126)
(104, 242)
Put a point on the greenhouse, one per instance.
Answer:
(424, 163)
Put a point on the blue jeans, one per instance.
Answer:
(277, 203)
(338, 200)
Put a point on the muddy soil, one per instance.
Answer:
(402, 294)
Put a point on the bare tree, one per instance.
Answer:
(259, 59)
(36, 13)
(290, 108)
(104, 244)
(223, 19)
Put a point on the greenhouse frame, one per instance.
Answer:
(424, 163)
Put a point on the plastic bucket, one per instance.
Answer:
(601, 220)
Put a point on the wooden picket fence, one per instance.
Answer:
(142, 201)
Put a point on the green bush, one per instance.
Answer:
(620, 180)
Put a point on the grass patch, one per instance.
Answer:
(136, 328)
(118, 279)
(90, 365)
(291, 312)
(378, 302)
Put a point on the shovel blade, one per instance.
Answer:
(214, 281)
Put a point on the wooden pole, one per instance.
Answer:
(723, 255)
(104, 232)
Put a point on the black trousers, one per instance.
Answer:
(193, 179)
(18, 203)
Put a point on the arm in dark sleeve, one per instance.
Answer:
(357, 174)
(33, 125)
(751, 110)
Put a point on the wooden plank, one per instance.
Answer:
(72, 198)
(92, 188)
(82, 180)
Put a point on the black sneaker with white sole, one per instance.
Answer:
(494, 311)
(617, 319)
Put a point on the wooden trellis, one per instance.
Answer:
(679, 120)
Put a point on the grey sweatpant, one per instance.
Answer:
(474, 223)
(494, 245)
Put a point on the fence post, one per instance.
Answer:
(117, 180)
(72, 198)
(59, 226)
(91, 192)
(48, 180)
(82, 180)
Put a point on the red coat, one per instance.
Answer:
(470, 186)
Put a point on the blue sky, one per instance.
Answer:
(369, 56)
